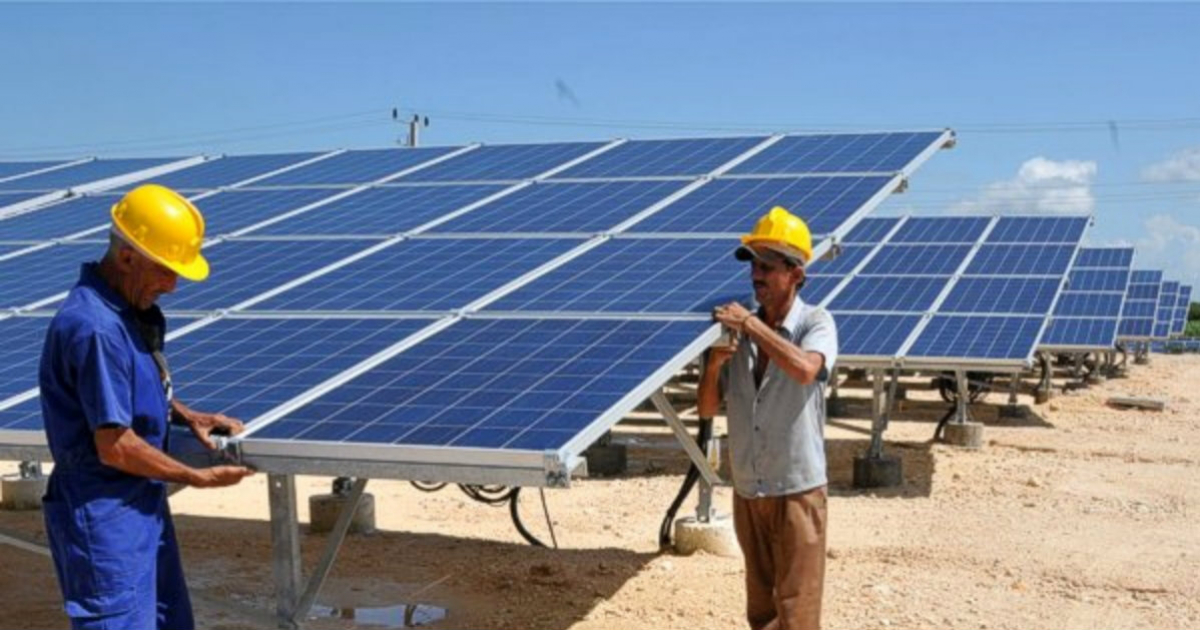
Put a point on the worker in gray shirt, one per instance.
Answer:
(773, 376)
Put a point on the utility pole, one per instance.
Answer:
(414, 127)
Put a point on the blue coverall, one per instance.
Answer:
(110, 533)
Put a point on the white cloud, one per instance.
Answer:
(1184, 166)
(1042, 186)
(1172, 246)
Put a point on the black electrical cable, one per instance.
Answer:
(516, 519)
(937, 433)
(491, 495)
(689, 482)
(427, 486)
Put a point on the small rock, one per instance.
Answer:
(667, 565)
(1053, 407)
(1034, 482)
(832, 553)
(1020, 586)
(885, 622)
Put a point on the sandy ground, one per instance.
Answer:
(1082, 516)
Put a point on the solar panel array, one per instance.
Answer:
(1182, 304)
(946, 291)
(1089, 311)
(418, 304)
(1141, 305)
(1165, 317)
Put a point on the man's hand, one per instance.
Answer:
(203, 425)
(220, 476)
(717, 355)
(733, 316)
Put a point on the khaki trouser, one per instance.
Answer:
(783, 540)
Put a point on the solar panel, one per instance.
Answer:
(1099, 280)
(662, 158)
(355, 167)
(816, 288)
(1089, 304)
(1163, 320)
(60, 219)
(1141, 304)
(840, 153)
(727, 206)
(13, 169)
(504, 162)
(888, 295)
(1080, 331)
(1104, 257)
(870, 230)
(1088, 313)
(1146, 277)
(1026, 230)
(873, 335)
(1183, 302)
(943, 230)
(563, 207)
(13, 198)
(1140, 308)
(899, 260)
(1136, 328)
(229, 170)
(512, 384)
(85, 173)
(636, 275)
(1002, 296)
(245, 367)
(242, 269)
(984, 337)
(381, 210)
(850, 257)
(43, 273)
(235, 209)
(23, 338)
(423, 275)
(1022, 260)
(1148, 292)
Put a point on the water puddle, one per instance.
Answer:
(398, 616)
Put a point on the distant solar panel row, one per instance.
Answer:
(1141, 305)
(1088, 313)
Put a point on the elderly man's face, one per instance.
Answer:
(144, 280)
(774, 279)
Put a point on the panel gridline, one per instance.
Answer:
(229, 170)
(236, 209)
(662, 158)
(1013, 296)
(23, 338)
(1089, 304)
(870, 230)
(380, 210)
(85, 173)
(1021, 260)
(888, 294)
(1108, 280)
(14, 198)
(245, 367)
(985, 337)
(1031, 230)
(851, 257)
(40, 274)
(1081, 331)
(1141, 304)
(504, 162)
(512, 384)
(422, 275)
(13, 169)
(941, 230)
(902, 260)
(563, 207)
(727, 206)
(873, 335)
(60, 219)
(1104, 258)
(356, 167)
(635, 275)
(840, 153)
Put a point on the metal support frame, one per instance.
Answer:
(879, 417)
(707, 474)
(962, 413)
(30, 469)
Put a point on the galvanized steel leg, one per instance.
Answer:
(336, 537)
(878, 414)
(285, 546)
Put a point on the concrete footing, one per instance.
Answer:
(1015, 412)
(1042, 396)
(22, 494)
(877, 472)
(606, 460)
(324, 509)
(964, 434)
(716, 536)
(1095, 378)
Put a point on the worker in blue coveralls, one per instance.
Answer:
(106, 401)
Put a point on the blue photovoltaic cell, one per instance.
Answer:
(1139, 308)
(1144, 292)
(236, 209)
(888, 295)
(1021, 260)
(43, 273)
(1142, 276)
(638, 275)
(1099, 280)
(60, 219)
(13, 198)
(504, 162)
(355, 167)
(662, 158)
(899, 260)
(1104, 257)
(1025, 230)
(423, 275)
(23, 337)
(733, 205)
(983, 337)
(245, 367)
(1091, 332)
(7, 248)
(1136, 327)
(381, 210)
(817, 288)
(1169, 289)
(850, 257)
(873, 335)
(1088, 304)
(840, 153)
(242, 269)
(563, 207)
(511, 384)
(941, 230)
(12, 169)
(871, 230)
(229, 170)
(1162, 330)
(1032, 296)
(26, 416)
(85, 173)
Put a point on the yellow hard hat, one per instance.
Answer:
(165, 227)
(780, 231)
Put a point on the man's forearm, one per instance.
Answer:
(803, 367)
(126, 451)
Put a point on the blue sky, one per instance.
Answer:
(1034, 91)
